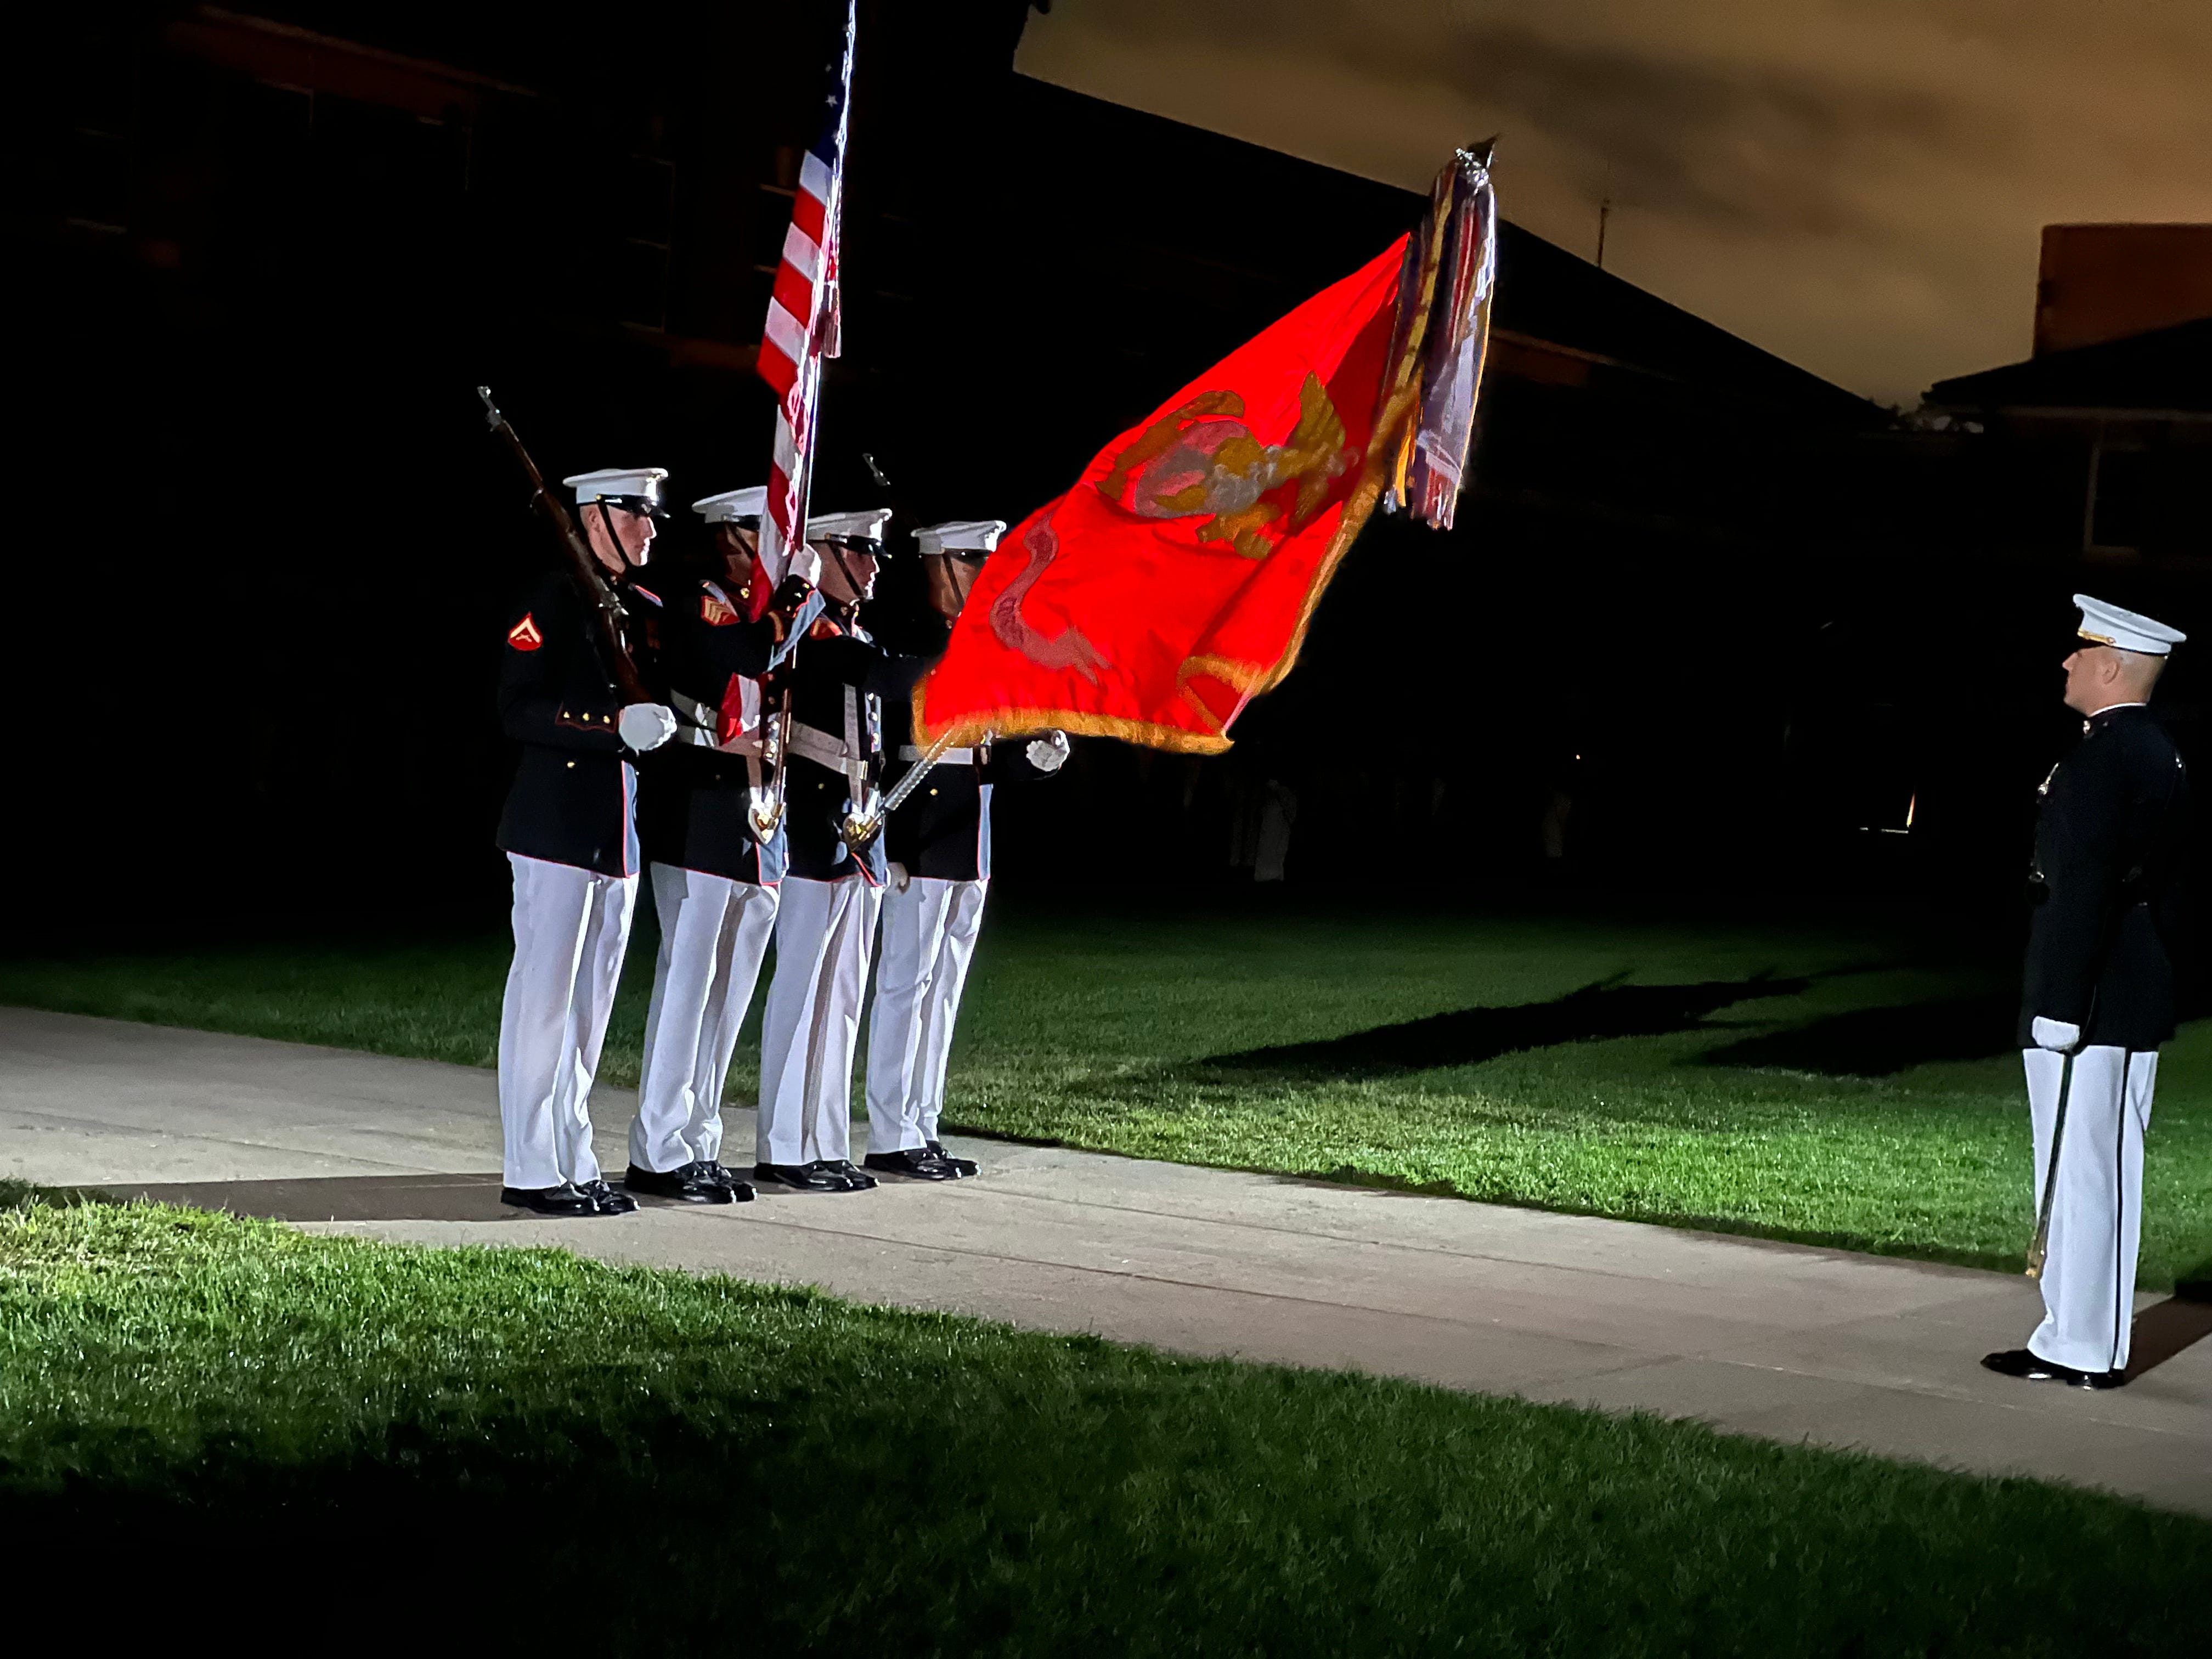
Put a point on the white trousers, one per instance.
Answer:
(2096, 1217)
(824, 931)
(714, 933)
(930, 928)
(571, 929)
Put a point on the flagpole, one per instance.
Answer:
(1382, 468)
(801, 329)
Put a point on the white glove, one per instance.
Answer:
(2056, 1034)
(806, 563)
(645, 725)
(899, 879)
(1049, 753)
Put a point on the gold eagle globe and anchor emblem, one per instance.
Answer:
(1203, 459)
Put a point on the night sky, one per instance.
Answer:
(1856, 184)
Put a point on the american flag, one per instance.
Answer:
(802, 317)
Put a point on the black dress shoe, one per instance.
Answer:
(688, 1183)
(914, 1163)
(564, 1199)
(961, 1166)
(2025, 1362)
(819, 1176)
(605, 1200)
(740, 1193)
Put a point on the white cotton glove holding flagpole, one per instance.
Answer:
(805, 562)
(645, 725)
(1049, 753)
(2056, 1034)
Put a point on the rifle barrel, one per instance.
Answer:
(583, 565)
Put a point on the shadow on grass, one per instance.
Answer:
(903, 1483)
(1471, 1036)
(1881, 1041)
(1002, 1541)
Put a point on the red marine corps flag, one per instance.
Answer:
(1175, 582)
(802, 318)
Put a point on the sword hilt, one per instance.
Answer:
(859, 827)
(764, 815)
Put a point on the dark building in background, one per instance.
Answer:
(2099, 446)
(2099, 282)
(270, 257)
(2089, 465)
(2102, 452)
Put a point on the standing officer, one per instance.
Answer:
(938, 843)
(712, 824)
(825, 928)
(2099, 993)
(570, 830)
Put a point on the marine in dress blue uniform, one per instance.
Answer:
(938, 845)
(2099, 992)
(714, 842)
(840, 679)
(569, 831)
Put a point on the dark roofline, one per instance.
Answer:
(1545, 292)
(2165, 369)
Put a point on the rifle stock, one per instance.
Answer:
(583, 565)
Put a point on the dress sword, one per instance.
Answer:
(2038, 1248)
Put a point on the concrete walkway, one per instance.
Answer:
(1772, 1339)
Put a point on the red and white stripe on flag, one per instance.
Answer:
(802, 316)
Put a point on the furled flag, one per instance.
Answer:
(802, 318)
(1175, 582)
(1431, 453)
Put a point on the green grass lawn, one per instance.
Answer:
(642, 1461)
(1830, 1085)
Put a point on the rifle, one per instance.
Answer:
(584, 568)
